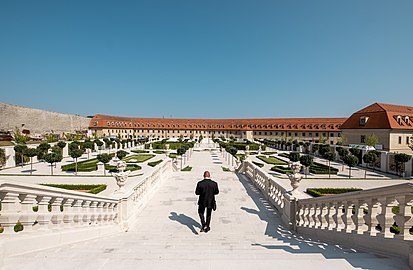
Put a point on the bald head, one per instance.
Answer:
(207, 174)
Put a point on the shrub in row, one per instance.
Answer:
(318, 192)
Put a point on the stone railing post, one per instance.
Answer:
(68, 214)
(43, 214)
(57, 215)
(289, 210)
(28, 216)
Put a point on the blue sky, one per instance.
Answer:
(206, 59)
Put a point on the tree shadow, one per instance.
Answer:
(185, 220)
(297, 244)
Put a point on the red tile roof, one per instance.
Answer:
(381, 116)
(298, 124)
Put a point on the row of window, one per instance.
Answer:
(282, 126)
(408, 140)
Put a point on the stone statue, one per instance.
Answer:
(295, 177)
(259, 150)
(247, 151)
(121, 176)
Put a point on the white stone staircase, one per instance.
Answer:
(246, 233)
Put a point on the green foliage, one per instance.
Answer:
(3, 157)
(342, 152)
(104, 158)
(351, 160)
(154, 163)
(76, 153)
(268, 153)
(18, 227)
(61, 144)
(315, 148)
(172, 145)
(323, 149)
(187, 169)
(400, 160)
(18, 137)
(318, 192)
(138, 158)
(370, 158)
(121, 154)
(318, 168)
(281, 169)
(225, 169)
(88, 144)
(258, 164)
(94, 189)
(306, 160)
(43, 148)
(294, 156)
(158, 152)
(240, 157)
(50, 138)
(272, 160)
(231, 149)
(143, 151)
(356, 152)
(98, 142)
(180, 151)
(129, 167)
(330, 156)
(372, 140)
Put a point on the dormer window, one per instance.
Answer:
(399, 120)
(407, 120)
(363, 120)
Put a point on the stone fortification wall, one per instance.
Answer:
(39, 121)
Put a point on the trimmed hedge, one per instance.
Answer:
(83, 166)
(258, 164)
(318, 168)
(281, 169)
(225, 169)
(94, 189)
(272, 160)
(284, 155)
(318, 192)
(129, 167)
(186, 169)
(154, 163)
(140, 151)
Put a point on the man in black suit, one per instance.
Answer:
(206, 189)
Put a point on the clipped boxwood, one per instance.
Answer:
(140, 151)
(258, 164)
(281, 169)
(154, 163)
(187, 169)
(93, 189)
(318, 168)
(129, 167)
(318, 192)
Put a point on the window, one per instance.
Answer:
(316, 134)
(331, 134)
(363, 120)
(400, 139)
(407, 140)
(363, 138)
(303, 134)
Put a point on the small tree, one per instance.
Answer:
(18, 137)
(52, 158)
(294, 156)
(99, 143)
(411, 143)
(42, 150)
(20, 149)
(355, 151)
(330, 156)
(351, 162)
(61, 145)
(372, 140)
(401, 159)
(370, 158)
(88, 145)
(31, 152)
(180, 151)
(315, 148)
(104, 158)
(306, 145)
(76, 153)
(121, 154)
(306, 161)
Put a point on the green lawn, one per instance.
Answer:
(241, 157)
(82, 166)
(272, 160)
(173, 155)
(281, 169)
(139, 158)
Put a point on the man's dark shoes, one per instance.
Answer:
(207, 229)
(202, 229)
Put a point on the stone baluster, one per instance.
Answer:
(105, 213)
(9, 214)
(77, 214)
(68, 213)
(85, 213)
(324, 212)
(331, 220)
(57, 215)
(404, 217)
(373, 212)
(338, 214)
(360, 227)
(386, 217)
(93, 212)
(99, 213)
(43, 214)
(28, 216)
(348, 213)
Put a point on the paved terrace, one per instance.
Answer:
(246, 233)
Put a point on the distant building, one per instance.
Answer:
(392, 124)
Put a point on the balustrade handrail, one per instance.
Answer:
(389, 191)
(35, 189)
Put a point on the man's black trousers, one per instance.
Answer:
(201, 212)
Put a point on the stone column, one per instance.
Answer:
(384, 161)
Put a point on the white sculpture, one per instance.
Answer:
(259, 150)
(247, 151)
(121, 176)
(295, 177)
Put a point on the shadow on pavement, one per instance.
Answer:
(298, 244)
(185, 220)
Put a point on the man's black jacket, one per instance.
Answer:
(206, 189)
